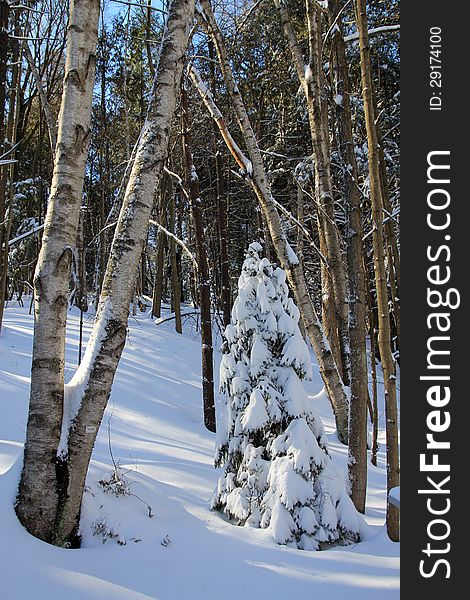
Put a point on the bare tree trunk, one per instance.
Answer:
(329, 320)
(4, 17)
(4, 21)
(91, 386)
(300, 240)
(311, 80)
(225, 288)
(388, 364)
(375, 408)
(203, 276)
(357, 464)
(42, 489)
(289, 262)
(158, 282)
(103, 237)
(393, 255)
(148, 47)
(175, 280)
(221, 191)
(81, 297)
(6, 214)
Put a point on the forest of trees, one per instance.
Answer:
(143, 147)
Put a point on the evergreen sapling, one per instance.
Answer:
(278, 472)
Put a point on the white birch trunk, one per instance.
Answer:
(90, 388)
(39, 490)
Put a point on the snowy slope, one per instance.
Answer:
(154, 424)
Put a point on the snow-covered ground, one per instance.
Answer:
(154, 428)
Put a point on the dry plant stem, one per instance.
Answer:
(51, 486)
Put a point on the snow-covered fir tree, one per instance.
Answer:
(277, 469)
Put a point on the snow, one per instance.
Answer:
(255, 415)
(187, 551)
(308, 73)
(194, 176)
(248, 166)
(282, 524)
(291, 255)
(296, 355)
(74, 390)
(287, 485)
(300, 443)
(272, 445)
(394, 496)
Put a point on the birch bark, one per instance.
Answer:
(39, 490)
(60, 441)
(92, 382)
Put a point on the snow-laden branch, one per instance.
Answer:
(146, 6)
(303, 229)
(208, 99)
(9, 151)
(172, 316)
(389, 217)
(179, 181)
(384, 29)
(25, 235)
(177, 240)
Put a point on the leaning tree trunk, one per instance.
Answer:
(258, 179)
(175, 280)
(91, 386)
(357, 464)
(388, 364)
(39, 491)
(222, 210)
(203, 276)
(311, 79)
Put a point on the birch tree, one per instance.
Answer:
(60, 434)
(39, 491)
(311, 78)
(388, 363)
(357, 463)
